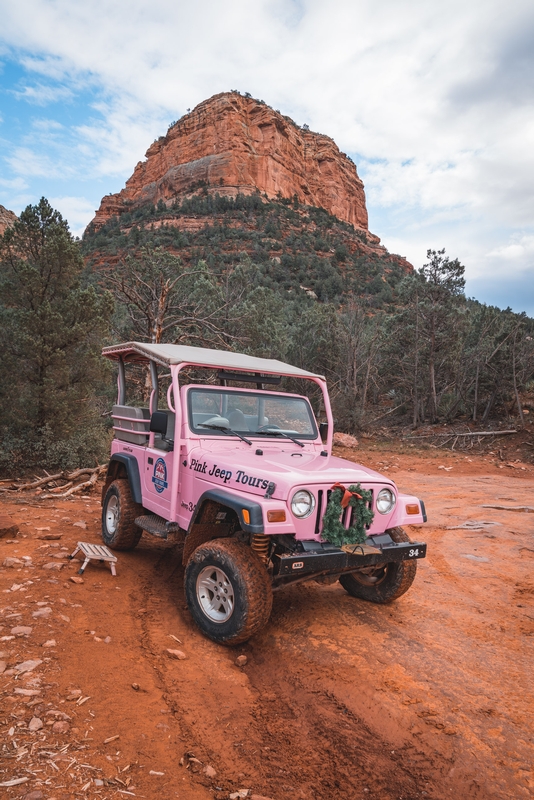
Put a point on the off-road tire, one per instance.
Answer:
(119, 511)
(248, 580)
(388, 582)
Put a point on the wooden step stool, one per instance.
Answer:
(95, 551)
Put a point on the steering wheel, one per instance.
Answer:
(268, 428)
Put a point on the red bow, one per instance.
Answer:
(345, 500)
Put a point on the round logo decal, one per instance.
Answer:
(159, 478)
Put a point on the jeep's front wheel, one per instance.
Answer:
(119, 511)
(228, 591)
(384, 583)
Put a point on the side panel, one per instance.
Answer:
(157, 481)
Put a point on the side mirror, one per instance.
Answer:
(323, 431)
(158, 423)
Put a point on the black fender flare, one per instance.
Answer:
(237, 504)
(132, 472)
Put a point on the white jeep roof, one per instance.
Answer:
(167, 354)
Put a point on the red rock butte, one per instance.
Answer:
(7, 219)
(233, 144)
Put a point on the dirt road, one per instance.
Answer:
(430, 697)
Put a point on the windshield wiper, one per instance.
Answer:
(275, 432)
(228, 431)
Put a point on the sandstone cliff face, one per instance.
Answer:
(234, 144)
(7, 218)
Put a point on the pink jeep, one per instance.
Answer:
(246, 478)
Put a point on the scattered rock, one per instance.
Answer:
(241, 661)
(3, 666)
(259, 797)
(35, 795)
(209, 771)
(345, 440)
(241, 793)
(58, 714)
(35, 724)
(472, 557)
(60, 727)
(447, 469)
(50, 536)
(12, 562)
(80, 524)
(42, 612)
(64, 617)
(8, 527)
(153, 772)
(53, 565)
(28, 666)
(136, 687)
(76, 579)
(27, 692)
(21, 630)
(49, 643)
(176, 654)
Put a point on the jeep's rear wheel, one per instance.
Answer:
(228, 591)
(385, 583)
(119, 511)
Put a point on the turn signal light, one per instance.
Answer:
(412, 508)
(276, 516)
(246, 515)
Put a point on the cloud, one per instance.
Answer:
(16, 184)
(519, 250)
(77, 210)
(42, 95)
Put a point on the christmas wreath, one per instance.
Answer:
(333, 530)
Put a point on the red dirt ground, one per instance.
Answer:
(431, 697)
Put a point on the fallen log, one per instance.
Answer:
(71, 476)
(39, 482)
(450, 435)
(85, 485)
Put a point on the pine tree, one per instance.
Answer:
(51, 330)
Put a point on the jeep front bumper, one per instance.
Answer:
(321, 557)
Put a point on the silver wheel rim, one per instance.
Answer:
(112, 514)
(215, 594)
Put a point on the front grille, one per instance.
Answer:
(347, 518)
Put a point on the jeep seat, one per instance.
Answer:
(237, 420)
(166, 444)
(136, 431)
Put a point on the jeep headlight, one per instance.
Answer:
(385, 501)
(302, 503)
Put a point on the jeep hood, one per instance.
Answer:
(247, 471)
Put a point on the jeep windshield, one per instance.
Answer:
(249, 412)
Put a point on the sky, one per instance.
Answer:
(432, 100)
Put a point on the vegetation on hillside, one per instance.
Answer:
(295, 283)
(266, 278)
